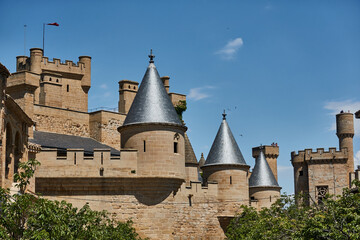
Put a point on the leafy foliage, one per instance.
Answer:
(335, 218)
(25, 216)
(180, 108)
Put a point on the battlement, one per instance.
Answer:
(57, 163)
(319, 155)
(64, 67)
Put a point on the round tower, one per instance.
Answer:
(226, 165)
(264, 189)
(345, 133)
(153, 128)
(36, 55)
(86, 80)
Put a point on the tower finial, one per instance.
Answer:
(151, 56)
(224, 115)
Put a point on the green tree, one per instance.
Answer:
(25, 216)
(180, 108)
(335, 218)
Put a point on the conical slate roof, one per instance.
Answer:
(189, 152)
(262, 176)
(224, 149)
(152, 103)
(202, 160)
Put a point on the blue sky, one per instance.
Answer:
(281, 69)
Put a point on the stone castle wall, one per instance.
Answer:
(159, 209)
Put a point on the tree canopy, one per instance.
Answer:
(288, 218)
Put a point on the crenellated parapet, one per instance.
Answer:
(319, 156)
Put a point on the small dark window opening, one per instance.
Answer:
(61, 152)
(67, 88)
(190, 203)
(134, 88)
(101, 172)
(144, 146)
(75, 158)
(50, 79)
(230, 180)
(252, 198)
(270, 198)
(301, 173)
(57, 80)
(129, 86)
(175, 147)
(102, 158)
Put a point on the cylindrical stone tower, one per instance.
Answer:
(263, 186)
(36, 55)
(153, 128)
(86, 80)
(226, 165)
(345, 133)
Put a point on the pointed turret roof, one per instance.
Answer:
(189, 152)
(262, 176)
(224, 150)
(152, 103)
(202, 160)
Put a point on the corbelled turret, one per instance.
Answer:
(153, 128)
(226, 165)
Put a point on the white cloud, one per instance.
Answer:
(103, 86)
(199, 93)
(229, 51)
(348, 105)
(284, 168)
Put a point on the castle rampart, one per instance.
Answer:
(320, 155)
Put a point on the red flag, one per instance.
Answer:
(53, 24)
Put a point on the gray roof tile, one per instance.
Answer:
(63, 142)
(224, 149)
(152, 103)
(262, 176)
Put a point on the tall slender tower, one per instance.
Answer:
(345, 133)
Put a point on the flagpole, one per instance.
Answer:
(43, 39)
(25, 40)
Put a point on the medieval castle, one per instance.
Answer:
(138, 163)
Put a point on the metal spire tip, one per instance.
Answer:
(151, 56)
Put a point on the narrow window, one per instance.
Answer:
(50, 79)
(270, 198)
(74, 158)
(57, 80)
(175, 147)
(301, 173)
(230, 180)
(252, 198)
(144, 146)
(67, 88)
(190, 203)
(102, 159)
(101, 172)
